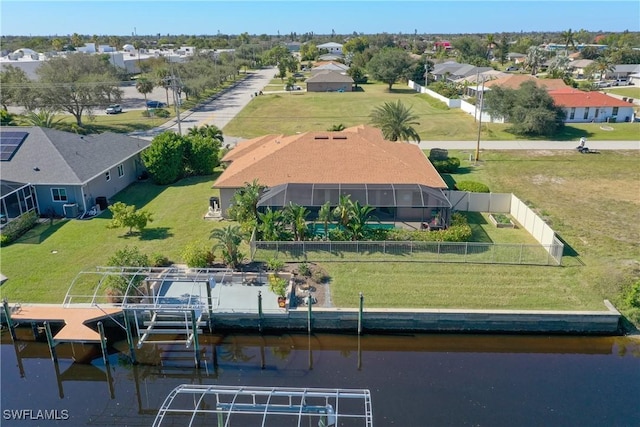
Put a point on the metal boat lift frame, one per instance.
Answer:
(275, 406)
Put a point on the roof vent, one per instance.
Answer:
(321, 137)
(339, 137)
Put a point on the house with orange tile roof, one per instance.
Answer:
(581, 107)
(313, 168)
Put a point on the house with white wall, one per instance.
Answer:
(585, 107)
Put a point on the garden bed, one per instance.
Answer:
(501, 221)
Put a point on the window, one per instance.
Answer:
(572, 115)
(120, 171)
(107, 176)
(615, 111)
(59, 194)
(586, 113)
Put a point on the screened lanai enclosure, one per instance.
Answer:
(16, 199)
(392, 202)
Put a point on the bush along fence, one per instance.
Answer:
(548, 252)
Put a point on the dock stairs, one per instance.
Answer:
(182, 326)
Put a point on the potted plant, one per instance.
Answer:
(278, 286)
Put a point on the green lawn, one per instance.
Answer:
(290, 113)
(629, 92)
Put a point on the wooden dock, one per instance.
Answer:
(75, 320)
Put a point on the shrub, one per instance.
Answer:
(277, 285)
(632, 297)
(458, 231)
(197, 255)
(472, 186)
(304, 269)
(159, 260)
(449, 165)
(126, 257)
(438, 154)
(275, 264)
(18, 227)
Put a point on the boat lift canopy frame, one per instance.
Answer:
(275, 406)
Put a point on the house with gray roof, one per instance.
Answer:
(329, 81)
(68, 173)
(451, 71)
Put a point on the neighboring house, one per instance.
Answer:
(332, 48)
(634, 79)
(329, 81)
(313, 168)
(293, 46)
(513, 81)
(516, 58)
(452, 71)
(68, 172)
(582, 107)
(329, 65)
(577, 67)
(443, 44)
(623, 71)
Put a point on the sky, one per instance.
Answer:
(151, 17)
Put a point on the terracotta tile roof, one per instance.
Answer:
(356, 155)
(514, 81)
(578, 98)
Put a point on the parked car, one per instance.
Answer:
(603, 84)
(113, 109)
(294, 87)
(156, 104)
(620, 82)
(513, 68)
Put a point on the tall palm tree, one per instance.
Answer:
(144, 86)
(396, 121)
(162, 80)
(568, 37)
(228, 241)
(324, 216)
(491, 44)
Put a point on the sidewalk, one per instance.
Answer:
(531, 145)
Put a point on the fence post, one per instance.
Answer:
(521, 249)
(260, 311)
(466, 251)
(309, 304)
(360, 314)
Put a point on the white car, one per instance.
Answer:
(113, 109)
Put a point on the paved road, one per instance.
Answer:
(217, 111)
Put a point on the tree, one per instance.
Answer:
(144, 86)
(396, 121)
(163, 80)
(491, 44)
(124, 216)
(357, 74)
(568, 39)
(126, 257)
(356, 45)
(341, 212)
(201, 155)
(163, 159)
(43, 118)
(535, 58)
(77, 84)
(503, 50)
(17, 88)
(530, 109)
(602, 66)
(245, 205)
(358, 217)
(296, 216)
(389, 65)
(271, 225)
(228, 241)
(324, 216)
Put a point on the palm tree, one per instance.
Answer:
(324, 215)
(271, 225)
(341, 212)
(144, 86)
(491, 44)
(603, 65)
(229, 239)
(336, 128)
(296, 215)
(207, 131)
(43, 118)
(162, 80)
(535, 58)
(358, 217)
(245, 204)
(396, 121)
(568, 39)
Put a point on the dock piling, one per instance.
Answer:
(52, 344)
(7, 314)
(127, 326)
(360, 314)
(260, 311)
(103, 344)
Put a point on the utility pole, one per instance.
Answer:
(477, 157)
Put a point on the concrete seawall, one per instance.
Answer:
(437, 320)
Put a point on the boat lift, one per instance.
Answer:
(189, 405)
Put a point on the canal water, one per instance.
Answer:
(415, 380)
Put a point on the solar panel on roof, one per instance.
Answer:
(10, 141)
